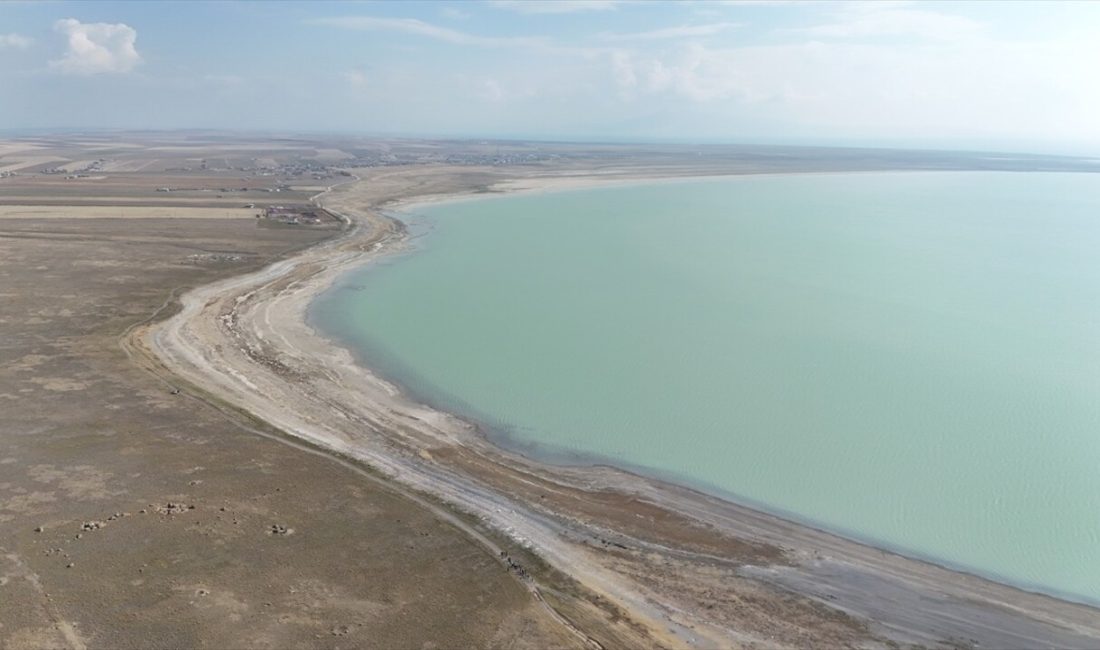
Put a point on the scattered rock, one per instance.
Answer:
(92, 525)
(38, 529)
(171, 508)
(514, 566)
(279, 529)
(198, 258)
(69, 565)
(608, 543)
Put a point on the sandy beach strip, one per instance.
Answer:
(689, 569)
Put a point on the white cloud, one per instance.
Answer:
(874, 19)
(96, 48)
(493, 91)
(16, 41)
(420, 28)
(555, 6)
(453, 13)
(356, 77)
(979, 88)
(684, 31)
(622, 69)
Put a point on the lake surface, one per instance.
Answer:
(911, 359)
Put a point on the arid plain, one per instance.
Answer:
(148, 500)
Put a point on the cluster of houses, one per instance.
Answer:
(495, 159)
(293, 215)
(93, 166)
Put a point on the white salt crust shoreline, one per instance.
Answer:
(247, 341)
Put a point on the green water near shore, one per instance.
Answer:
(907, 358)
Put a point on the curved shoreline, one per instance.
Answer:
(415, 387)
(246, 340)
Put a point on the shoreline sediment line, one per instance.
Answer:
(246, 340)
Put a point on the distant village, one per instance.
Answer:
(496, 159)
(83, 172)
(261, 180)
(316, 170)
(295, 215)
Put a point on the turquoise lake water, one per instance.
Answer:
(911, 359)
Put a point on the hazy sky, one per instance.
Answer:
(985, 74)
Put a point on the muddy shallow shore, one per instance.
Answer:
(619, 558)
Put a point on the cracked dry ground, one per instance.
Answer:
(134, 517)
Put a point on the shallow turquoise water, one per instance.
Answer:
(908, 358)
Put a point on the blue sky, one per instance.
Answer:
(990, 75)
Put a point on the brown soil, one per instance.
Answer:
(161, 523)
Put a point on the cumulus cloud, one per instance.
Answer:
(16, 41)
(96, 48)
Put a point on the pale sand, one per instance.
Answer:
(245, 340)
(121, 212)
